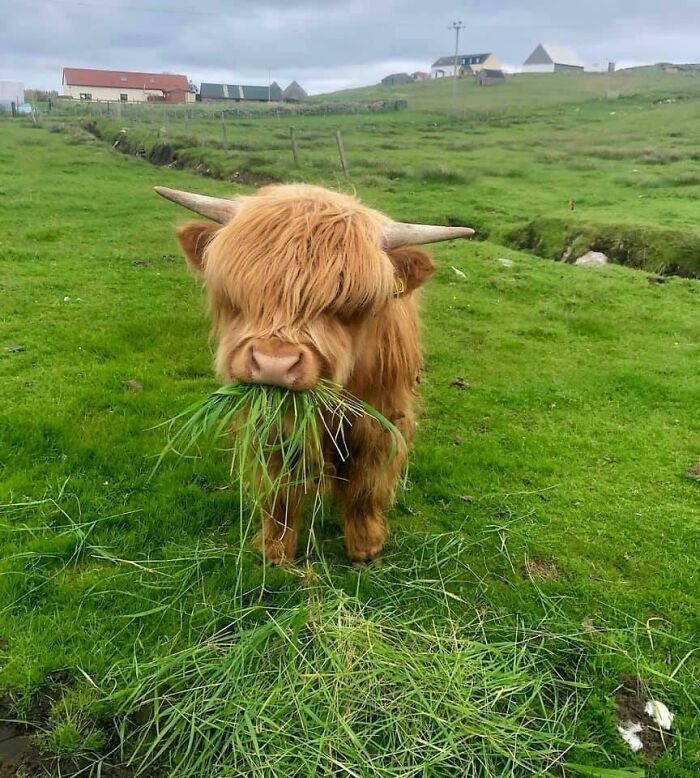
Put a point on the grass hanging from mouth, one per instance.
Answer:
(278, 438)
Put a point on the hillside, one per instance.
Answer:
(529, 91)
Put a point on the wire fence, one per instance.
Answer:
(213, 110)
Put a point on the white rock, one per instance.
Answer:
(630, 734)
(660, 713)
(505, 262)
(458, 272)
(592, 259)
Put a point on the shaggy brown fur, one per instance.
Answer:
(303, 265)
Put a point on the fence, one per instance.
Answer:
(214, 110)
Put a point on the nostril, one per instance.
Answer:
(294, 361)
(253, 364)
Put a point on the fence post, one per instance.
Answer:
(223, 132)
(341, 152)
(293, 142)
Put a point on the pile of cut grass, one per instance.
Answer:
(333, 686)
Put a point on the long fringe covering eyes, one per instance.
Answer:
(294, 252)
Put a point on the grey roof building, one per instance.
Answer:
(462, 59)
(397, 79)
(294, 93)
(238, 92)
(548, 58)
(466, 63)
(488, 77)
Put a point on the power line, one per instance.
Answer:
(131, 8)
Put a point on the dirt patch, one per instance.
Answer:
(630, 701)
(27, 764)
(251, 178)
(20, 755)
(132, 385)
(695, 470)
(541, 569)
(31, 763)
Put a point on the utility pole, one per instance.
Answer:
(456, 26)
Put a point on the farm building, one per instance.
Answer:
(488, 77)
(420, 75)
(552, 59)
(294, 93)
(125, 86)
(11, 92)
(238, 92)
(467, 64)
(397, 79)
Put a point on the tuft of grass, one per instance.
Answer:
(276, 436)
(72, 738)
(443, 175)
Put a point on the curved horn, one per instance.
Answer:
(400, 234)
(219, 209)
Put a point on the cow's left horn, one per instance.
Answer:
(400, 234)
(219, 209)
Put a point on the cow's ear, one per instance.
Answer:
(413, 268)
(194, 237)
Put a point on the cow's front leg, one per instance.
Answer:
(368, 481)
(365, 528)
(277, 540)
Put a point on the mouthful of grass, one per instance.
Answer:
(278, 439)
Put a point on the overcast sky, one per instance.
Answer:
(326, 44)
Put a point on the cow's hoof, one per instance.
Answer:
(273, 550)
(362, 556)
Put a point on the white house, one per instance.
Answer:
(125, 86)
(11, 92)
(469, 64)
(547, 58)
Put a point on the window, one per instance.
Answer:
(86, 95)
(123, 97)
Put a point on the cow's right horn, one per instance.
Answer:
(219, 209)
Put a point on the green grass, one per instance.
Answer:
(509, 159)
(550, 492)
(334, 683)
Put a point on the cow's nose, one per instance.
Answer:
(278, 369)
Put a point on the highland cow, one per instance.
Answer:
(304, 283)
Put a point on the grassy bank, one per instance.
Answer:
(548, 524)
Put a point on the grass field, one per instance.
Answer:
(510, 160)
(546, 543)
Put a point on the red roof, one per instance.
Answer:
(123, 79)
